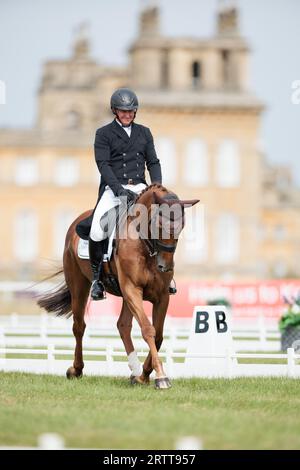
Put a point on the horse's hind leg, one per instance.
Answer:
(124, 325)
(79, 287)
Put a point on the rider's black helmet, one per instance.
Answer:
(124, 99)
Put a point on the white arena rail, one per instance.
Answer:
(111, 367)
(52, 338)
(44, 330)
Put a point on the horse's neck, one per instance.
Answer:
(147, 197)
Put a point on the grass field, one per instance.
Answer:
(101, 412)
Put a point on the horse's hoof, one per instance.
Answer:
(73, 373)
(136, 380)
(162, 383)
(133, 380)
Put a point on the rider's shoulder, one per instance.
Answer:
(104, 129)
(144, 129)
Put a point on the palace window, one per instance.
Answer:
(228, 164)
(194, 235)
(66, 171)
(62, 222)
(196, 74)
(280, 269)
(166, 153)
(26, 235)
(196, 163)
(26, 171)
(165, 70)
(73, 120)
(280, 232)
(226, 66)
(227, 239)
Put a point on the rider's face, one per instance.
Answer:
(125, 117)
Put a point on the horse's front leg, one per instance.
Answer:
(134, 299)
(124, 325)
(158, 317)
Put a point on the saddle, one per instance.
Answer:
(83, 230)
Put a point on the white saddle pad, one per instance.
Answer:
(83, 247)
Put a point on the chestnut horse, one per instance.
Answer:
(140, 268)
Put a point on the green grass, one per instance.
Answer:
(101, 412)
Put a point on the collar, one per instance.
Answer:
(124, 127)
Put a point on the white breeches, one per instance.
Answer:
(107, 202)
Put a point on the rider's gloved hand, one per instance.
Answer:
(130, 195)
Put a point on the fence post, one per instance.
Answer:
(50, 357)
(109, 359)
(173, 337)
(169, 361)
(229, 362)
(43, 326)
(2, 346)
(262, 332)
(14, 319)
(291, 362)
(87, 333)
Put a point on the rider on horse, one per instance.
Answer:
(122, 148)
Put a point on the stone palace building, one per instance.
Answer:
(195, 97)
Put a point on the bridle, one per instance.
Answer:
(155, 245)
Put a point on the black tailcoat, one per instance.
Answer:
(121, 160)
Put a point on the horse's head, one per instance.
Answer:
(166, 223)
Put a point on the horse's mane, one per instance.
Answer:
(151, 187)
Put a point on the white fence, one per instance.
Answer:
(50, 340)
(41, 331)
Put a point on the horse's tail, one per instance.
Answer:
(57, 301)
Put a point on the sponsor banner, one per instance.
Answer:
(248, 299)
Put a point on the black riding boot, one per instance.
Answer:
(96, 258)
(172, 287)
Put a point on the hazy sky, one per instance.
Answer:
(33, 31)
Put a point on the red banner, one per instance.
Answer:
(248, 299)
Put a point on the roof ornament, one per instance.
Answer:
(81, 46)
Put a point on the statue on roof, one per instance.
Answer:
(81, 46)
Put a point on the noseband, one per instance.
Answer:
(155, 246)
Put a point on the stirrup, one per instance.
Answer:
(172, 289)
(98, 290)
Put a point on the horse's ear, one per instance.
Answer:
(157, 199)
(189, 203)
